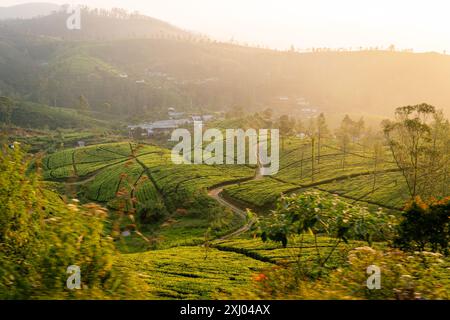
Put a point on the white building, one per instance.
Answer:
(167, 126)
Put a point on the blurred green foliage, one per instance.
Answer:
(41, 236)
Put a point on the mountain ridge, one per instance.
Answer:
(28, 10)
(180, 70)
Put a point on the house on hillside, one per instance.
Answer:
(208, 117)
(166, 127)
(205, 118)
(162, 127)
(176, 115)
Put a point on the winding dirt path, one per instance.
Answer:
(215, 193)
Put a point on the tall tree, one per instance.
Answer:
(322, 132)
(439, 157)
(343, 135)
(268, 114)
(83, 104)
(286, 127)
(417, 145)
(299, 127)
(357, 129)
(107, 107)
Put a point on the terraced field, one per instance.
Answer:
(274, 253)
(186, 264)
(355, 175)
(192, 272)
(148, 173)
(144, 171)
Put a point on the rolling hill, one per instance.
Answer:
(28, 10)
(142, 65)
(36, 116)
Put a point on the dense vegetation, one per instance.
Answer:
(78, 189)
(41, 236)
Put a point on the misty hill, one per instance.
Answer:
(32, 115)
(97, 24)
(28, 10)
(141, 66)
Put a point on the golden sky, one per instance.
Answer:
(417, 24)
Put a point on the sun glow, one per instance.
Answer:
(416, 24)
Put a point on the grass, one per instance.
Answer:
(39, 116)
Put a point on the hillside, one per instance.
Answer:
(141, 66)
(27, 10)
(31, 115)
(97, 24)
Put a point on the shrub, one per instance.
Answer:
(152, 212)
(41, 236)
(422, 275)
(321, 214)
(425, 225)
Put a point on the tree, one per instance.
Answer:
(343, 136)
(418, 146)
(439, 160)
(83, 104)
(311, 128)
(299, 127)
(138, 133)
(6, 108)
(425, 225)
(286, 127)
(369, 139)
(322, 132)
(236, 112)
(268, 114)
(357, 129)
(319, 215)
(311, 132)
(107, 107)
